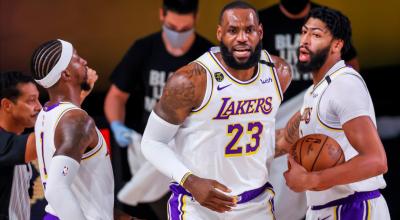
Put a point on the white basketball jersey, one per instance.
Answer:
(93, 187)
(231, 136)
(317, 119)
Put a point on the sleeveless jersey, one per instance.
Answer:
(231, 136)
(315, 119)
(93, 187)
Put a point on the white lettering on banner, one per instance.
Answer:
(149, 103)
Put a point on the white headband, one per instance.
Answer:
(54, 75)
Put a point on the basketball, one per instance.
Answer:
(317, 152)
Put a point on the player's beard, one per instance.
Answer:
(317, 59)
(229, 59)
(85, 86)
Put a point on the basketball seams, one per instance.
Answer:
(341, 155)
(320, 150)
(300, 155)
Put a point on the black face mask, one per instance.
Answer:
(317, 59)
(228, 58)
(294, 6)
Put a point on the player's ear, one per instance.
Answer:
(6, 104)
(66, 74)
(260, 31)
(337, 45)
(219, 33)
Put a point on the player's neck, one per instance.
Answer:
(181, 50)
(319, 74)
(66, 94)
(302, 14)
(8, 124)
(242, 75)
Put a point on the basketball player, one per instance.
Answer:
(220, 110)
(74, 164)
(338, 105)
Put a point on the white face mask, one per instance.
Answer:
(177, 39)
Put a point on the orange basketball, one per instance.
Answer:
(317, 152)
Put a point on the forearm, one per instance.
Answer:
(281, 145)
(286, 137)
(154, 146)
(114, 108)
(62, 172)
(359, 168)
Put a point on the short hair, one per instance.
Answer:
(44, 58)
(9, 82)
(181, 6)
(337, 23)
(238, 4)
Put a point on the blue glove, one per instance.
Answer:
(122, 134)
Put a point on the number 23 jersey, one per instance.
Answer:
(231, 136)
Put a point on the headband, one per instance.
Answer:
(54, 75)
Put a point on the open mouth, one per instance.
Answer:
(304, 54)
(241, 52)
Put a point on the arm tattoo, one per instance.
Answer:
(291, 134)
(180, 89)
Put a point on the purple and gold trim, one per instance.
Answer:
(233, 79)
(354, 207)
(251, 194)
(184, 178)
(212, 88)
(95, 150)
(275, 76)
(177, 202)
(354, 198)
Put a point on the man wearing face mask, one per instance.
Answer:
(138, 80)
(282, 24)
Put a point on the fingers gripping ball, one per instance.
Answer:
(317, 152)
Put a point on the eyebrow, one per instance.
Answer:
(313, 28)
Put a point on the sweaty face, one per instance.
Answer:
(27, 106)
(240, 34)
(315, 46)
(79, 66)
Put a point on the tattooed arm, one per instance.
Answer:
(287, 136)
(183, 92)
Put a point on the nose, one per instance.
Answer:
(83, 61)
(305, 39)
(242, 36)
(38, 106)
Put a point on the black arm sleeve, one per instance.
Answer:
(12, 148)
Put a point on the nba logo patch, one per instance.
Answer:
(219, 76)
(65, 171)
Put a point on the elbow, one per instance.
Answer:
(381, 166)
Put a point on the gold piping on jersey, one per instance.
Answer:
(320, 82)
(217, 63)
(95, 150)
(271, 204)
(275, 76)
(212, 88)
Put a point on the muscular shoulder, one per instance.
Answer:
(183, 92)
(284, 72)
(74, 133)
